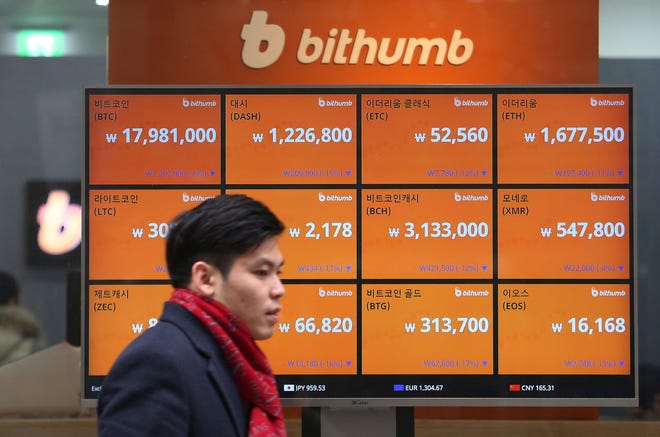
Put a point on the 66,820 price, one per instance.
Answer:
(325, 325)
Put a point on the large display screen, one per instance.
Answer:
(444, 245)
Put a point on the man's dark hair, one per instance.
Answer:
(8, 288)
(217, 231)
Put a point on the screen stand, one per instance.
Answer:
(359, 422)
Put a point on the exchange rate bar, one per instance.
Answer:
(564, 329)
(154, 139)
(426, 138)
(563, 138)
(291, 139)
(427, 329)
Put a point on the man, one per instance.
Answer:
(20, 332)
(199, 372)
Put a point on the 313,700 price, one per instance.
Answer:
(448, 325)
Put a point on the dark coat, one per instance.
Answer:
(172, 380)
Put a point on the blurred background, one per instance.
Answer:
(51, 49)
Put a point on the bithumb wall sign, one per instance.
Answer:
(263, 44)
(349, 42)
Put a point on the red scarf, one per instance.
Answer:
(253, 375)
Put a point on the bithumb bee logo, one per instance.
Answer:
(469, 102)
(194, 197)
(607, 197)
(458, 197)
(334, 198)
(60, 223)
(605, 102)
(263, 45)
(187, 103)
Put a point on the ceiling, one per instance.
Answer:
(627, 28)
(64, 13)
(86, 22)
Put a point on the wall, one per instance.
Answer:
(644, 75)
(41, 124)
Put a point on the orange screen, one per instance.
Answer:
(431, 234)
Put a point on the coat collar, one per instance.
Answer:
(217, 366)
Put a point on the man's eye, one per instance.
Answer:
(261, 272)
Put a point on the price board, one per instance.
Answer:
(444, 245)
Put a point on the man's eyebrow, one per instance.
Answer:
(268, 262)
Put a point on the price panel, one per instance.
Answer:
(439, 242)
(569, 329)
(128, 229)
(118, 313)
(291, 139)
(319, 239)
(426, 138)
(427, 329)
(421, 233)
(564, 233)
(317, 331)
(563, 138)
(154, 139)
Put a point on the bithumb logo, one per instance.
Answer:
(60, 224)
(187, 103)
(325, 102)
(334, 198)
(334, 293)
(194, 198)
(458, 197)
(469, 102)
(604, 102)
(595, 292)
(607, 197)
(263, 45)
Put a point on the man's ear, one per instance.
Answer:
(203, 278)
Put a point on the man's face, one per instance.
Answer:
(252, 289)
